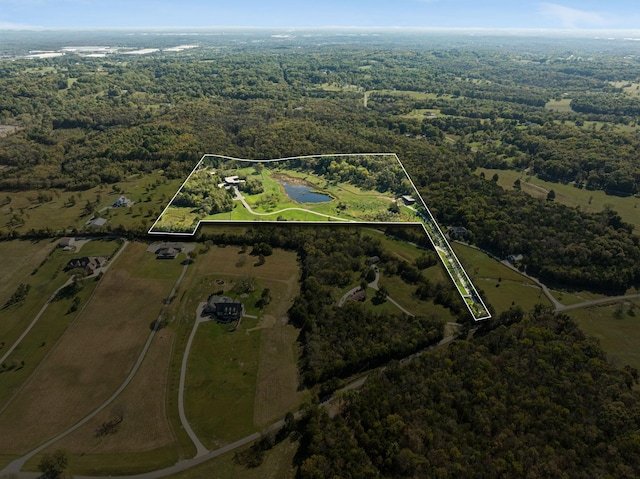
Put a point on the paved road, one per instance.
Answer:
(13, 469)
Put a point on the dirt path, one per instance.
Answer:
(13, 469)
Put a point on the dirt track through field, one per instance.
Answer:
(90, 361)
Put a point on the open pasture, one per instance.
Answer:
(90, 360)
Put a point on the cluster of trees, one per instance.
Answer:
(201, 192)
(530, 398)
(339, 341)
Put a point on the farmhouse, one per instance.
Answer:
(514, 258)
(223, 309)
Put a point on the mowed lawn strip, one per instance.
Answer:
(92, 358)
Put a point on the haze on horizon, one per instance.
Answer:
(491, 14)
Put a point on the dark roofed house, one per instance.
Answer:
(88, 263)
(224, 309)
(168, 250)
(121, 202)
(167, 253)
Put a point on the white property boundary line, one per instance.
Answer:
(454, 262)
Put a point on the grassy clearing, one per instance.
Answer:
(115, 464)
(277, 464)
(587, 200)
(265, 347)
(19, 259)
(221, 382)
(617, 327)
(502, 286)
(84, 368)
(563, 105)
(629, 87)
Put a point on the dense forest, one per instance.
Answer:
(530, 398)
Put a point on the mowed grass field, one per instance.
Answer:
(588, 200)
(91, 359)
(57, 317)
(19, 258)
(502, 286)
(617, 327)
(237, 382)
(143, 440)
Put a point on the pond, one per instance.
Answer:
(304, 193)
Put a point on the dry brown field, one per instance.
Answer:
(142, 408)
(91, 360)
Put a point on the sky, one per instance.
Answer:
(513, 14)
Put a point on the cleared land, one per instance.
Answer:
(66, 210)
(588, 200)
(502, 286)
(90, 360)
(134, 423)
(618, 329)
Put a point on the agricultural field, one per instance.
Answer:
(82, 368)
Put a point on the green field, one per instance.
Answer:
(588, 200)
(221, 382)
(63, 211)
(618, 329)
(502, 286)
